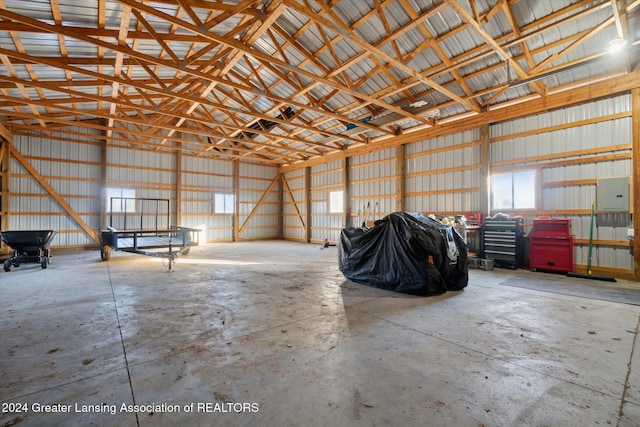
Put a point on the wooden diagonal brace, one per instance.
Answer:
(293, 201)
(257, 206)
(56, 196)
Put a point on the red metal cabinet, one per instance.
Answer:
(551, 245)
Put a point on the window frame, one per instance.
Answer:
(513, 191)
(225, 204)
(333, 200)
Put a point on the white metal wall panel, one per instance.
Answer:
(600, 132)
(372, 185)
(73, 170)
(202, 178)
(293, 229)
(151, 174)
(325, 178)
(443, 174)
(254, 182)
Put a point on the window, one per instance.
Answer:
(118, 204)
(223, 203)
(335, 202)
(513, 190)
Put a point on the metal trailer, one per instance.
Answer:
(29, 246)
(151, 235)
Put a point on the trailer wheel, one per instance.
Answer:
(44, 261)
(7, 265)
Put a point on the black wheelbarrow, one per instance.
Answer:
(28, 246)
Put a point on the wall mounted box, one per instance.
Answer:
(613, 194)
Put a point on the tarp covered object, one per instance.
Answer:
(405, 252)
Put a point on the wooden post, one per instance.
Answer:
(5, 134)
(484, 170)
(179, 182)
(400, 149)
(346, 209)
(307, 204)
(635, 170)
(281, 233)
(236, 198)
(5, 174)
(104, 203)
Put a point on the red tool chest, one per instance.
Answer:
(551, 245)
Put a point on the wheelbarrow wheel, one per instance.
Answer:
(7, 265)
(105, 253)
(44, 262)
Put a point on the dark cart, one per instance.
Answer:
(151, 234)
(28, 246)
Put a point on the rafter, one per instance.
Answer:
(344, 30)
(178, 94)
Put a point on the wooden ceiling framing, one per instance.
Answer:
(216, 78)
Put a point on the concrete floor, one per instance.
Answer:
(271, 334)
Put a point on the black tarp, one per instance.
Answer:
(405, 252)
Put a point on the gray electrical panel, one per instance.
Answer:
(613, 194)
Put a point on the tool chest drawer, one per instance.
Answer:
(503, 242)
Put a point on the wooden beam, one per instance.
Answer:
(5, 133)
(616, 16)
(5, 177)
(143, 86)
(293, 201)
(56, 196)
(238, 45)
(179, 185)
(103, 179)
(123, 49)
(493, 44)
(400, 175)
(598, 242)
(485, 170)
(346, 209)
(281, 232)
(307, 203)
(344, 31)
(250, 38)
(236, 198)
(117, 71)
(635, 130)
(260, 202)
(621, 273)
(606, 88)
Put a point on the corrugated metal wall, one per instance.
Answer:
(325, 178)
(151, 174)
(74, 172)
(442, 175)
(255, 181)
(572, 148)
(293, 224)
(202, 178)
(372, 185)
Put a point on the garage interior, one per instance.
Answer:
(267, 127)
